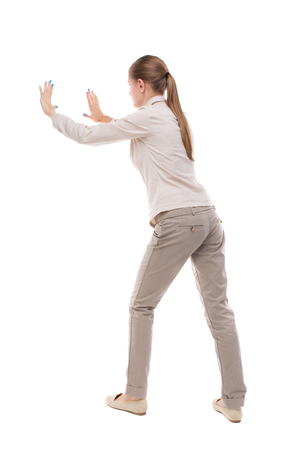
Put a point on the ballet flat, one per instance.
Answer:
(234, 415)
(138, 407)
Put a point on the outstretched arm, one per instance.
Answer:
(135, 125)
(107, 131)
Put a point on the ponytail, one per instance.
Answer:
(174, 104)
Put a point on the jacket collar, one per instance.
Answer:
(156, 98)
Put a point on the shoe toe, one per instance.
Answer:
(110, 399)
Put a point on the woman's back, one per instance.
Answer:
(161, 158)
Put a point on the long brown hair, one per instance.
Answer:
(152, 70)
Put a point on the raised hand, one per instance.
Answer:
(45, 99)
(94, 108)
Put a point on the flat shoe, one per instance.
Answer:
(138, 407)
(234, 415)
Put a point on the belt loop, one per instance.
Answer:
(192, 210)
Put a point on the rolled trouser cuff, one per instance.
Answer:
(233, 403)
(136, 391)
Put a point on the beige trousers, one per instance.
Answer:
(196, 233)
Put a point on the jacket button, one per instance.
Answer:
(192, 229)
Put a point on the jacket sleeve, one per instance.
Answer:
(135, 125)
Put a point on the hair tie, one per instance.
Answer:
(166, 75)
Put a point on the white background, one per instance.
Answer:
(74, 224)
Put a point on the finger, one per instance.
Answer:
(96, 99)
(46, 89)
(49, 89)
(91, 100)
(88, 99)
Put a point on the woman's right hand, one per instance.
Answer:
(93, 103)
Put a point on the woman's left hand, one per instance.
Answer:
(45, 99)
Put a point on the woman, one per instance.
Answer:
(185, 224)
